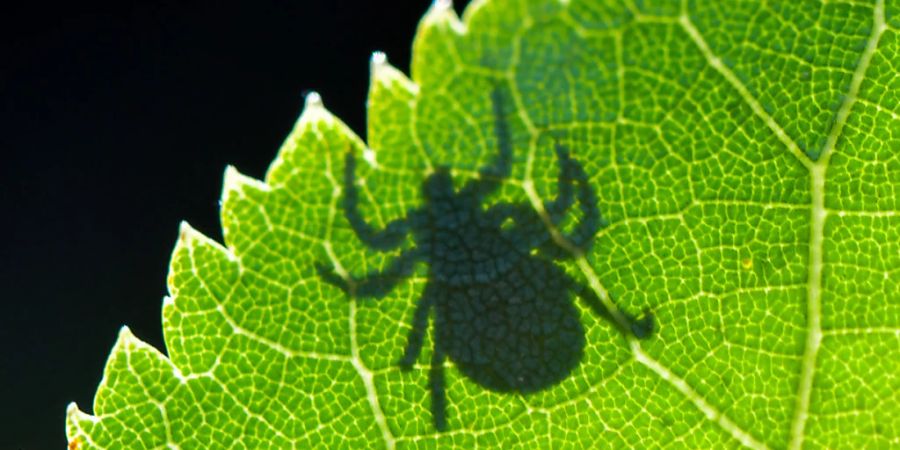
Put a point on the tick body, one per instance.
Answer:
(502, 315)
(503, 311)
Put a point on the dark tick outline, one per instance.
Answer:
(503, 311)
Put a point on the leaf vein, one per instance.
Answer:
(817, 230)
(744, 92)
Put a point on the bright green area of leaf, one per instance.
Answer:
(744, 155)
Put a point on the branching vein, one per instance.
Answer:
(818, 216)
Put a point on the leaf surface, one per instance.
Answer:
(744, 156)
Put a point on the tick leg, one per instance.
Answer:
(491, 175)
(391, 237)
(590, 221)
(570, 172)
(564, 197)
(378, 285)
(531, 228)
(331, 277)
(626, 324)
(417, 333)
(374, 284)
(590, 213)
(438, 391)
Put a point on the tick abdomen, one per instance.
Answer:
(517, 332)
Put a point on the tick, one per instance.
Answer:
(503, 310)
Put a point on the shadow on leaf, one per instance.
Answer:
(503, 310)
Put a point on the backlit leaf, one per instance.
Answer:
(744, 157)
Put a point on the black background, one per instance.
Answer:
(116, 122)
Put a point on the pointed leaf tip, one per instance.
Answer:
(377, 65)
(234, 180)
(381, 71)
(313, 100)
(378, 58)
(314, 109)
(74, 414)
(185, 233)
(231, 181)
(441, 11)
(189, 235)
(125, 332)
(442, 5)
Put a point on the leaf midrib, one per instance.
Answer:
(818, 215)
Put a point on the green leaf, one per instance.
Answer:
(744, 156)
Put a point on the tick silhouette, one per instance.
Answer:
(503, 310)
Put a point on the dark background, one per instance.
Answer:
(116, 122)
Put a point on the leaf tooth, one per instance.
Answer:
(378, 59)
(77, 415)
(188, 237)
(125, 343)
(313, 100)
(441, 13)
(235, 181)
(382, 72)
(127, 338)
(128, 342)
(441, 5)
(74, 419)
(314, 110)
(168, 309)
